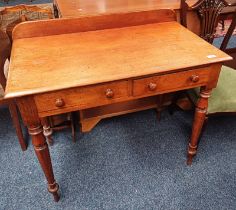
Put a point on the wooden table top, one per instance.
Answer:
(49, 63)
(75, 8)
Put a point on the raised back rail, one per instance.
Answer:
(66, 26)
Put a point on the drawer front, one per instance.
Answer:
(170, 82)
(82, 97)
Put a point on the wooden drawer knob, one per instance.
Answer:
(194, 78)
(152, 86)
(109, 93)
(59, 102)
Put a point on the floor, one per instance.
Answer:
(127, 162)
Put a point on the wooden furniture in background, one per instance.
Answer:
(78, 8)
(5, 51)
(87, 8)
(208, 12)
(134, 52)
(229, 33)
(229, 14)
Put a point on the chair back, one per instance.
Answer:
(231, 28)
(5, 51)
(208, 12)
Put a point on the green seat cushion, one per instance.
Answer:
(223, 97)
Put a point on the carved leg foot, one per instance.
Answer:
(191, 153)
(54, 188)
(199, 118)
(43, 155)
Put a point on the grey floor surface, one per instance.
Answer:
(127, 162)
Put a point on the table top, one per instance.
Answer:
(75, 8)
(42, 64)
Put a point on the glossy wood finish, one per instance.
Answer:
(199, 119)
(161, 84)
(31, 119)
(61, 101)
(121, 55)
(107, 46)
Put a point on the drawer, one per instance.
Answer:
(82, 97)
(170, 82)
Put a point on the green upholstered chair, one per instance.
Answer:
(223, 97)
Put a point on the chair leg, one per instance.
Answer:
(47, 130)
(72, 122)
(16, 123)
(223, 25)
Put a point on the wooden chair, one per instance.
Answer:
(5, 50)
(11, 16)
(228, 14)
(223, 97)
(208, 12)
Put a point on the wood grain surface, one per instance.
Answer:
(79, 59)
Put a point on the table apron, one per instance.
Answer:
(80, 98)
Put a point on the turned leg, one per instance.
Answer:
(16, 122)
(43, 155)
(199, 118)
(47, 130)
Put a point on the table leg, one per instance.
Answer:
(199, 118)
(43, 155)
